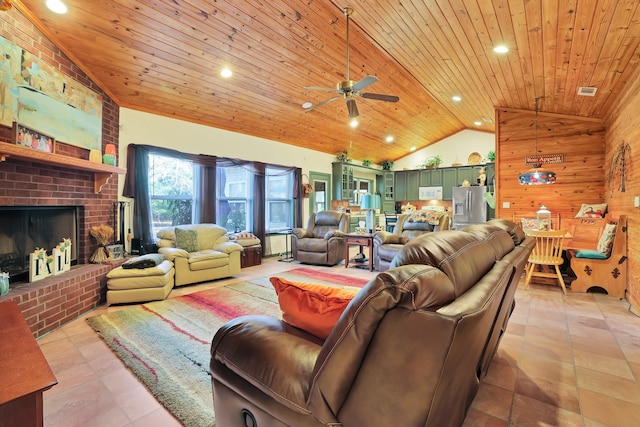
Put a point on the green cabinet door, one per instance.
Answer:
(449, 180)
(466, 173)
(425, 178)
(401, 186)
(436, 177)
(413, 178)
(342, 181)
(388, 187)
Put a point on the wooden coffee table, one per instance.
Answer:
(360, 239)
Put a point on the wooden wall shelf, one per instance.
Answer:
(101, 172)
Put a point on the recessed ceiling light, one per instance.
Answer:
(412, 149)
(307, 105)
(501, 49)
(353, 123)
(389, 139)
(456, 98)
(477, 123)
(57, 6)
(226, 73)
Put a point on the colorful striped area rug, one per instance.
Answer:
(166, 344)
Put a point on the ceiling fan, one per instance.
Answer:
(349, 89)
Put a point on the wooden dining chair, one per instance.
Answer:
(548, 251)
(390, 219)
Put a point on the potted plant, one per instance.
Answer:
(491, 156)
(433, 162)
(366, 163)
(343, 156)
(236, 220)
(386, 165)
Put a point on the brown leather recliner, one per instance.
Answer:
(322, 241)
(387, 244)
(407, 351)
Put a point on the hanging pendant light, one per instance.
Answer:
(537, 175)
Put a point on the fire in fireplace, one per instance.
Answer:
(25, 228)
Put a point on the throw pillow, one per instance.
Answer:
(529, 223)
(311, 307)
(589, 210)
(428, 216)
(187, 239)
(605, 244)
(144, 261)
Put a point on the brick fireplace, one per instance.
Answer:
(49, 303)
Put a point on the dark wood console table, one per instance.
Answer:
(24, 372)
(361, 240)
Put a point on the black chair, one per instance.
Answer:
(390, 219)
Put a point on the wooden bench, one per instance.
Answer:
(583, 233)
(608, 274)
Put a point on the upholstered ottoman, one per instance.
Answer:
(126, 285)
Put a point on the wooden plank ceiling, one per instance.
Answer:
(165, 57)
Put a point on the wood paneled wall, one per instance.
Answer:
(623, 130)
(580, 178)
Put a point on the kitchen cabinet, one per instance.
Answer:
(413, 178)
(469, 173)
(342, 181)
(436, 177)
(401, 185)
(425, 178)
(389, 185)
(449, 180)
(408, 182)
(407, 185)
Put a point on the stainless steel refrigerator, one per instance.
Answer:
(469, 206)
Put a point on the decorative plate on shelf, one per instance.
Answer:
(474, 158)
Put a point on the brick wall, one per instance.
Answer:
(55, 300)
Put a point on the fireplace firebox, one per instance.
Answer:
(23, 229)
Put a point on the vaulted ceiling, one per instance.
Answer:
(165, 57)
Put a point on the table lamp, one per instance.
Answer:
(369, 203)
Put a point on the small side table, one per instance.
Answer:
(25, 371)
(287, 235)
(364, 239)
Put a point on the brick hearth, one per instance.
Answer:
(56, 300)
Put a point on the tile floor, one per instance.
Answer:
(565, 361)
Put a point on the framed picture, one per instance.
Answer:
(31, 138)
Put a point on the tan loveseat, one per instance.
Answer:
(199, 252)
(409, 226)
(408, 350)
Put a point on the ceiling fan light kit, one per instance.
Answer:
(348, 89)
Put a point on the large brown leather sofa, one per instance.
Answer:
(387, 244)
(407, 351)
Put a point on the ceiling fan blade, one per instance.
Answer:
(352, 108)
(324, 89)
(367, 81)
(320, 104)
(380, 97)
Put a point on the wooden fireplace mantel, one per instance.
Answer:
(101, 172)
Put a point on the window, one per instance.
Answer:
(171, 190)
(234, 204)
(360, 186)
(278, 200)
